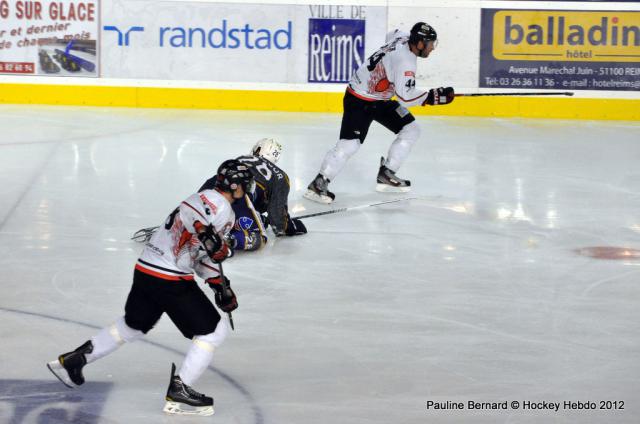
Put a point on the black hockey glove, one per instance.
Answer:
(224, 295)
(217, 248)
(295, 227)
(439, 96)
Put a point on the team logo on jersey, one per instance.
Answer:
(336, 49)
(245, 222)
(206, 202)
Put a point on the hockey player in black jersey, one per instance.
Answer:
(267, 205)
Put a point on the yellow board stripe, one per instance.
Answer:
(295, 101)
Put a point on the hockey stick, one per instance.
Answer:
(224, 287)
(545, 93)
(144, 234)
(351, 208)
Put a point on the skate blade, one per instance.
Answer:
(182, 409)
(313, 196)
(61, 374)
(386, 188)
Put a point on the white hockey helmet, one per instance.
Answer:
(267, 148)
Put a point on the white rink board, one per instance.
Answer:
(455, 61)
(281, 59)
(143, 63)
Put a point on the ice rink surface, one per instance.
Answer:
(515, 275)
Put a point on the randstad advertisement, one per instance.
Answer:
(273, 43)
(560, 49)
(49, 38)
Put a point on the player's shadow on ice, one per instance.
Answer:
(35, 401)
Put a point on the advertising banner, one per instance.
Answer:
(336, 49)
(276, 43)
(49, 38)
(560, 49)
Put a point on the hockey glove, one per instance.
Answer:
(224, 295)
(216, 248)
(439, 96)
(223, 253)
(295, 227)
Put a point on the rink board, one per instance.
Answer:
(287, 101)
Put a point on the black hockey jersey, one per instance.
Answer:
(272, 190)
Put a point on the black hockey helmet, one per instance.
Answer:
(422, 32)
(233, 174)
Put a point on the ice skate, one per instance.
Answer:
(388, 182)
(68, 367)
(182, 399)
(318, 190)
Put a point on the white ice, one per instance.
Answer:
(475, 291)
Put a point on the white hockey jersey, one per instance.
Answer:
(174, 251)
(389, 71)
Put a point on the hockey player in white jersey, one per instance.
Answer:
(190, 241)
(389, 71)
